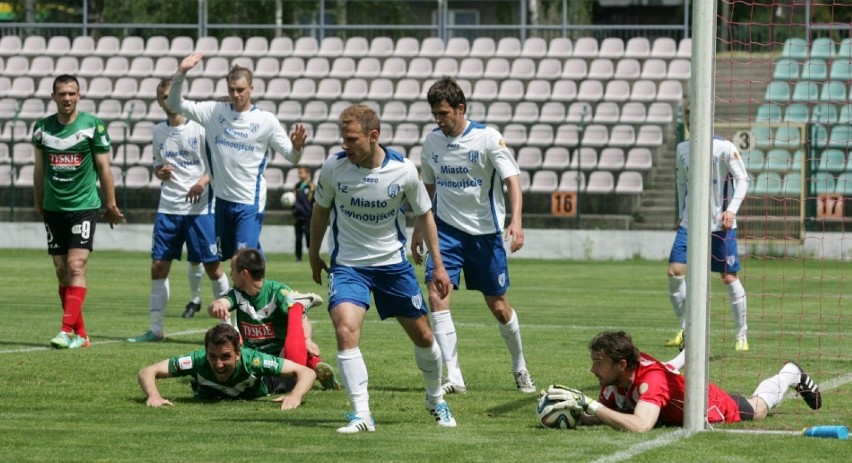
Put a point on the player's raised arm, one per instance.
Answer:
(148, 381)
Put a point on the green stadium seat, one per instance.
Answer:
(845, 48)
(777, 92)
(786, 69)
(768, 113)
(832, 160)
(761, 137)
(833, 91)
(789, 137)
(814, 69)
(777, 160)
(840, 137)
(792, 184)
(806, 92)
(767, 184)
(822, 183)
(796, 113)
(845, 116)
(824, 113)
(843, 186)
(753, 159)
(823, 48)
(818, 136)
(796, 162)
(841, 69)
(796, 48)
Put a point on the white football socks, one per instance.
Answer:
(220, 286)
(511, 333)
(772, 390)
(159, 300)
(738, 308)
(445, 336)
(195, 274)
(677, 296)
(428, 360)
(353, 374)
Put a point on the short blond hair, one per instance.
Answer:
(238, 72)
(363, 115)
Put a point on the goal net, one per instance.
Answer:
(782, 78)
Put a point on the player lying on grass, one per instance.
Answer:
(225, 370)
(271, 317)
(638, 392)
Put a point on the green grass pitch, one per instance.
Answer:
(85, 405)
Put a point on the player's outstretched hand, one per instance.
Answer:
(581, 401)
(298, 137)
(288, 402)
(190, 61)
(158, 402)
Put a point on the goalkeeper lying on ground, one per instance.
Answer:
(639, 392)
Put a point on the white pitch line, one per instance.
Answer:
(636, 449)
(94, 343)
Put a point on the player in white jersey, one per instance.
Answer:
(185, 212)
(729, 183)
(239, 136)
(464, 166)
(362, 190)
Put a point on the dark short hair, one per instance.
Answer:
(446, 89)
(65, 79)
(616, 345)
(222, 334)
(252, 260)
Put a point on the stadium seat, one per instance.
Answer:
(575, 69)
(629, 182)
(314, 155)
(108, 45)
(818, 135)
(278, 89)
(18, 130)
(34, 45)
(496, 68)
(584, 158)
(420, 112)
(23, 153)
(499, 112)
(208, 45)
(355, 90)
(414, 155)
(612, 48)
(823, 48)
(805, 92)
(118, 130)
(6, 170)
(445, 67)
(654, 69)
(786, 69)
(526, 112)
(292, 67)
(394, 68)
(768, 113)
(134, 109)
(638, 48)
(255, 47)
(644, 91)
(586, 48)
(600, 182)
(549, 69)
(572, 181)
(406, 134)
(795, 48)
(832, 159)
(201, 88)
(843, 185)
(329, 89)
(544, 181)
(822, 183)
(381, 47)
(10, 45)
(767, 184)
(552, 112)
(40, 66)
(845, 115)
(841, 69)
(316, 68)
(540, 135)
(22, 87)
(407, 47)
(394, 111)
(607, 112)
(529, 158)
(274, 178)
(380, 90)
(579, 112)
(777, 160)
(624, 136)
(590, 91)
(356, 47)
(670, 90)
(814, 69)
(289, 111)
(483, 48)
(791, 185)
(125, 88)
(326, 133)
(128, 154)
(511, 90)
(595, 135)
(155, 112)
(408, 90)
(540, 91)
(25, 176)
(617, 90)
(508, 47)
(485, 90)
(627, 69)
(305, 47)
(280, 47)
(601, 69)
(796, 162)
(132, 46)
(634, 112)
(419, 68)
(164, 67)
(534, 48)
(457, 47)
(330, 47)
(17, 66)
(368, 68)
(156, 46)
(181, 46)
(267, 67)
(522, 69)
(342, 68)
(315, 111)
(611, 159)
(844, 50)
(567, 135)
(560, 48)
(777, 92)
(754, 160)
(140, 66)
(796, 113)
(515, 135)
(660, 113)
(667, 48)
(833, 91)
(431, 47)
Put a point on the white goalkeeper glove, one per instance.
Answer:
(575, 398)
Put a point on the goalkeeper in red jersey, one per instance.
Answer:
(639, 392)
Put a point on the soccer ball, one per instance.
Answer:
(556, 419)
(288, 199)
